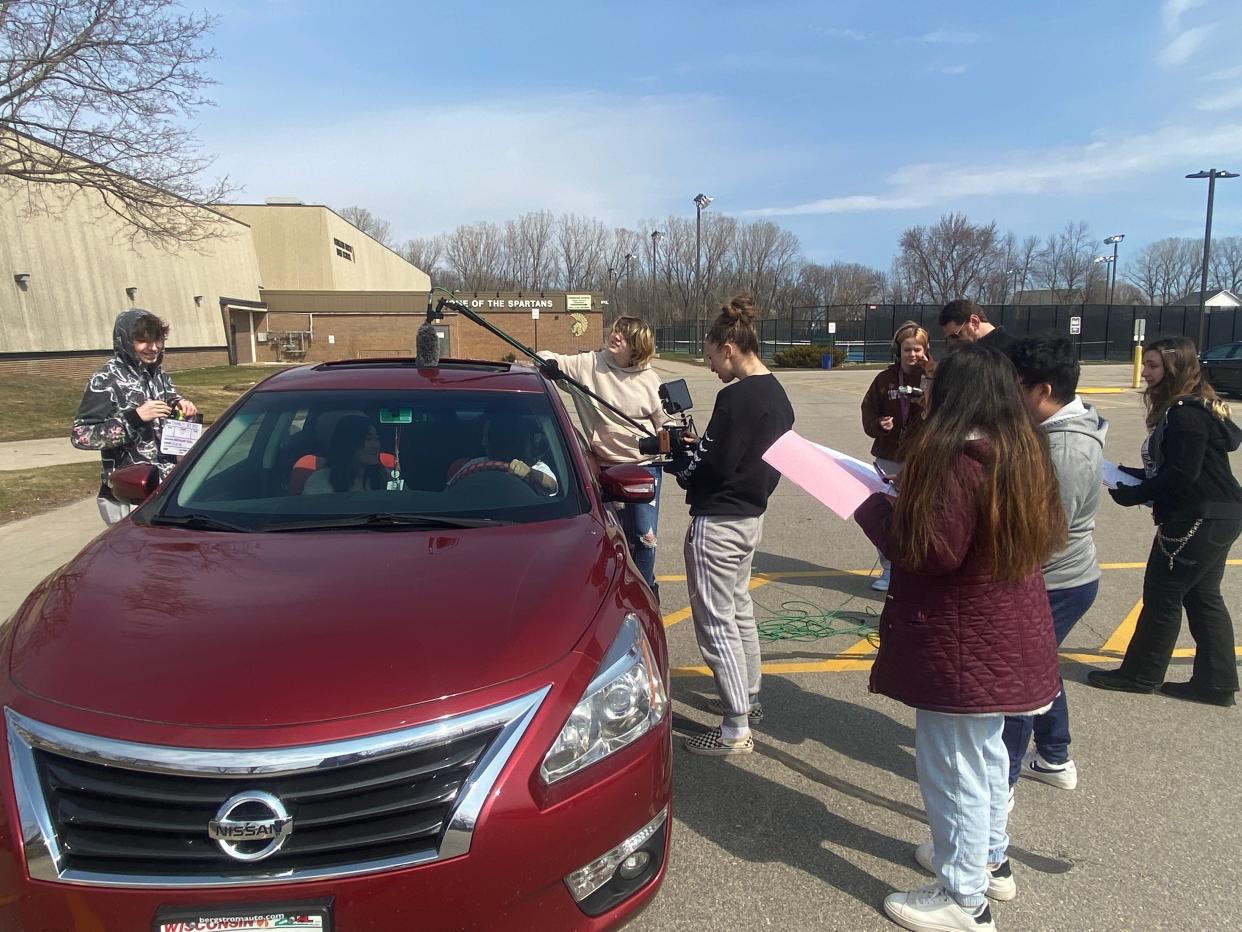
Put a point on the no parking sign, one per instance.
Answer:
(1075, 326)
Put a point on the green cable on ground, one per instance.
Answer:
(799, 620)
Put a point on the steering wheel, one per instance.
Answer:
(484, 466)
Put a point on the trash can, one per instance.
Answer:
(825, 360)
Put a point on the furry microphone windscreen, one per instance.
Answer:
(427, 347)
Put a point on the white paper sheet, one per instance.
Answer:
(1114, 477)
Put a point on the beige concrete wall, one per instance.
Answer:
(296, 249)
(80, 259)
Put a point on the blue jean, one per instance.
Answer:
(639, 523)
(962, 766)
(1051, 728)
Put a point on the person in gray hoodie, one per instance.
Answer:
(125, 404)
(1048, 376)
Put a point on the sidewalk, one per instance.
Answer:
(31, 454)
(33, 547)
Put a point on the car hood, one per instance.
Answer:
(243, 630)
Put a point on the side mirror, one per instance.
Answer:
(627, 483)
(134, 484)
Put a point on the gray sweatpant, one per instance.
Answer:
(719, 551)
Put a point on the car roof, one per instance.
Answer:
(404, 373)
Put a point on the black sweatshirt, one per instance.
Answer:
(1193, 479)
(727, 474)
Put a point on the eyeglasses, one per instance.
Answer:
(955, 335)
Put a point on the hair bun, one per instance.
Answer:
(740, 308)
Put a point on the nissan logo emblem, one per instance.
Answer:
(263, 819)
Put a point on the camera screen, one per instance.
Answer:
(676, 396)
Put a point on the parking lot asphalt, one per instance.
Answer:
(819, 824)
(816, 827)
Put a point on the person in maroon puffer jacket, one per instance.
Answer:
(966, 635)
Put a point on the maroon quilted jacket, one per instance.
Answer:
(952, 638)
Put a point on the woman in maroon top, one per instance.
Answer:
(966, 634)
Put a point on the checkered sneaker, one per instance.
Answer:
(710, 744)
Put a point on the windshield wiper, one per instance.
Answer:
(199, 523)
(387, 520)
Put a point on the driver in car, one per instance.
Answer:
(507, 444)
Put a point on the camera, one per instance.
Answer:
(670, 441)
(911, 390)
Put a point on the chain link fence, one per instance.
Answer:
(1105, 333)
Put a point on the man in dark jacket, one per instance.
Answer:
(963, 321)
(123, 409)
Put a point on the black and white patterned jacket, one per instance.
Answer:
(107, 418)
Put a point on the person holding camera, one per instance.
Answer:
(894, 406)
(727, 486)
(125, 404)
(621, 374)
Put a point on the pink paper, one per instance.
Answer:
(815, 470)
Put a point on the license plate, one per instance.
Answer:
(262, 918)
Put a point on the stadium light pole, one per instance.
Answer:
(625, 271)
(1211, 175)
(655, 235)
(1107, 260)
(1113, 241)
(700, 204)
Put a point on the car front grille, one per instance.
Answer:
(107, 812)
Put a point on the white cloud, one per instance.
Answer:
(1173, 10)
(953, 69)
(1097, 165)
(950, 37)
(1226, 101)
(1225, 74)
(428, 168)
(1179, 51)
(832, 33)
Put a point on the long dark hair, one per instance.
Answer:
(1182, 377)
(1020, 520)
(348, 437)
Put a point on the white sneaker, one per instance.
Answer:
(933, 909)
(880, 583)
(1001, 884)
(1063, 776)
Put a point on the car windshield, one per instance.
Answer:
(288, 461)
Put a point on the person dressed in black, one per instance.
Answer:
(1197, 506)
(727, 486)
(964, 321)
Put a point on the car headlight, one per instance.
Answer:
(624, 701)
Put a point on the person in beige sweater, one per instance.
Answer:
(621, 374)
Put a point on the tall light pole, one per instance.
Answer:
(625, 271)
(1015, 273)
(700, 203)
(1107, 260)
(612, 286)
(655, 235)
(1011, 273)
(1211, 175)
(1113, 241)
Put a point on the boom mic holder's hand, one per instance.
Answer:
(548, 367)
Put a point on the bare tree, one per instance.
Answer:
(530, 251)
(424, 253)
(1064, 266)
(95, 96)
(765, 260)
(475, 255)
(1227, 262)
(1166, 270)
(378, 229)
(950, 259)
(582, 244)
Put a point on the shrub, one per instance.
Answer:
(510, 357)
(808, 357)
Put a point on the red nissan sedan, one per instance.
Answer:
(373, 657)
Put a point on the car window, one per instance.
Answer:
(1228, 351)
(289, 458)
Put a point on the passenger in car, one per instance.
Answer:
(508, 440)
(352, 463)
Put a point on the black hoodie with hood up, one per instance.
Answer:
(107, 418)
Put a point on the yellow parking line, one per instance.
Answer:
(826, 572)
(1103, 391)
(854, 657)
(1120, 638)
(682, 614)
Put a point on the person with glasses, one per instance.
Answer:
(963, 321)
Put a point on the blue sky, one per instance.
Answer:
(844, 122)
